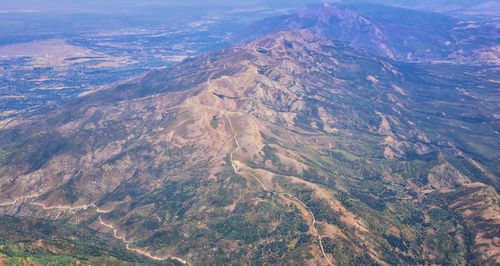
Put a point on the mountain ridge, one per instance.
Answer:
(397, 33)
(457, 8)
(247, 154)
(298, 108)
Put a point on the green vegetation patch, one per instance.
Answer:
(42, 242)
(214, 122)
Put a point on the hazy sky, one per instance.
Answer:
(110, 6)
(113, 5)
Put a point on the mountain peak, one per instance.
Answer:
(386, 31)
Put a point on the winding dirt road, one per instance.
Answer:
(19, 199)
(106, 225)
(136, 250)
(285, 194)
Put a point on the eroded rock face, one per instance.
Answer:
(252, 153)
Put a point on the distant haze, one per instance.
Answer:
(116, 5)
(472, 7)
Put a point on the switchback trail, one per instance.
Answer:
(285, 194)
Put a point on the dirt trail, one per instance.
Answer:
(97, 210)
(285, 194)
(56, 207)
(136, 250)
(62, 207)
(18, 199)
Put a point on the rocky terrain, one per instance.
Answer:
(293, 149)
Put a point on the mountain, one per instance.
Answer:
(397, 33)
(455, 7)
(294, 148)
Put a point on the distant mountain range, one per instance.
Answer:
(463, 7)
(402, 34)
(317, 142)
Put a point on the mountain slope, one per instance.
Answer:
(40, 242)
(292, 149)
(396, 33)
